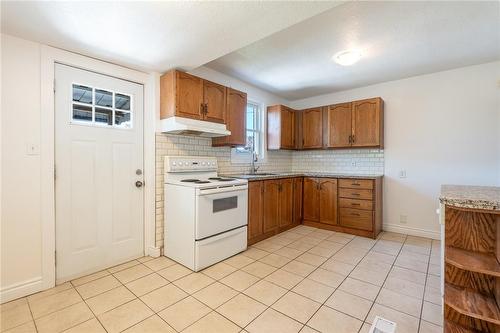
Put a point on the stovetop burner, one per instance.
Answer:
(190, 180)
(221, 179)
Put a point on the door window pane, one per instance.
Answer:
(104, 116)
(103, 98)
(82, 113)
(101, 107)
(122, 119)
(220, 205)
(122, 102)
(82, 94)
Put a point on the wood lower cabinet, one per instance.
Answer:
(276, 205)
(236, 107)
(271, 207)
(347, 205)
(328, 201)
(255, 210)
(286, 203)
(320, 200)
(298, 185)
(471, 269)
(311, 199)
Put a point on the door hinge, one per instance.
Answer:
(54, 85)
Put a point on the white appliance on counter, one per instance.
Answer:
(205, 215)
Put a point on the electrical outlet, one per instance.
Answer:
(403, 219)
(402, 173)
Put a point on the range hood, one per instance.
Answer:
(186, 126)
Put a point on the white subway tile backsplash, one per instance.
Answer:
(351, 161)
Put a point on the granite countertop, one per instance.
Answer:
(277, 175)
(475, 197)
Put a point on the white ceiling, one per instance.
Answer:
(398, 39)
(153, 35)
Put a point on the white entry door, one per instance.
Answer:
(99, 163)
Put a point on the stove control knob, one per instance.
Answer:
(174, 164)
(202, 163)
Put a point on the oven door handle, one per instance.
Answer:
(222, 189)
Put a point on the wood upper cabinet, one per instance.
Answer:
(286, 203)
(328, 200)
(311, 199)
(338, 125)
(181, 94)
(297, 199)
(214, 98)
(312, 128)
(368, 123)
(271, 205)
(255, 210)
(281, 127)
(236, 106)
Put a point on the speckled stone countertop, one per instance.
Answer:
(475, 197)
(277, 175)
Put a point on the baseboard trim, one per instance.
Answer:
(153, 251)
(21, 289)
(412, 231)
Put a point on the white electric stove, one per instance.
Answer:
(205, 215)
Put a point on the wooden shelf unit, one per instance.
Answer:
(472, 270)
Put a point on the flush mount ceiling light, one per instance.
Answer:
(347, 57)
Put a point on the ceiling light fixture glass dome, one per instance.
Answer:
(347, 57)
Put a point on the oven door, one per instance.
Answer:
(220, 209)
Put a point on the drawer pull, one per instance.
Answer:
(355, 184)
(355, 204)
(355, 214)
(356, 194)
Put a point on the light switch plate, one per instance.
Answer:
(32, 149)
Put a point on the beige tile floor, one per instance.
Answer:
(305, 279)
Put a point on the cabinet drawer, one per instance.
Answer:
(355, 203)
(356, 183)
(356, 218)
(355, 193)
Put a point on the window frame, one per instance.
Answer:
(93, 106)
(244, 156)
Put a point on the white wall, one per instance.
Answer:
(442, 128)
(20, 172)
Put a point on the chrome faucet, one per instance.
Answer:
(253, 168)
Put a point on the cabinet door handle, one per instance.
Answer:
(353, 138)
(206, 108)
(202, 108)
(350, 139)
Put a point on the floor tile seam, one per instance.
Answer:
(290, 290)
(23, 323)
(108, 269)
(378, 293)
(423, 298)
(92, 311)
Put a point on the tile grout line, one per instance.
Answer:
(290, 290)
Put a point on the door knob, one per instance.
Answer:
(138, 183)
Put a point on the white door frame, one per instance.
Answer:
(49, 57)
